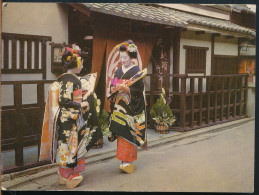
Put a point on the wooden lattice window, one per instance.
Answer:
(24, 53)
(195, 59)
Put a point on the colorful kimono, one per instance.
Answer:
(128, 117)
(72, 129)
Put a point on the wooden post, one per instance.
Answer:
(176, 58)
(14, 54)
(22, 54)
(208, 99)
(43, 56)
(235, 96)
(29, 54)
(6, 52)
(18, 125)
(246, 94)
(36, 54)
(200, 98)
(192, 100)
(222, 98)
(183, 102)
(241, 92)
(229, 88)
(41, 104)
(216, 98)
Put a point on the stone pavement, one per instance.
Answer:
(108, 151)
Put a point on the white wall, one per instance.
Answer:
(224, 46)
(47, 19)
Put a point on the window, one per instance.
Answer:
(24, 53)
(195, 59)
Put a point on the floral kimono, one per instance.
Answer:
(128, 117)
(75, 128)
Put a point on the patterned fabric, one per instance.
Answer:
(74, 141)
(125, 150)
(128, 118)
(72, 172)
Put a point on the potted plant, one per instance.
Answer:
(162, 114)
(103, 121)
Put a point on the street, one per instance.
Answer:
(219, 161)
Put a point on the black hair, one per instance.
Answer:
(123, 47)
(68, 64)
(72, 63)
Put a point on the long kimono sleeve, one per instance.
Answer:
(137, 103)
(66, 96)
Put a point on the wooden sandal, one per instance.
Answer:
(74, 182)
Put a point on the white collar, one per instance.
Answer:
(124, 70)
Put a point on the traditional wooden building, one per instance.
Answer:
(199, 53)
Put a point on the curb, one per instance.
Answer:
(18, 178)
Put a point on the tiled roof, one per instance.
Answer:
(210, 22)
(162, 15)
(137, 12)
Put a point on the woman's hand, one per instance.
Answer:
(84, 104)
(113, 89)
(122, 88)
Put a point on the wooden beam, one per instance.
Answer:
(199, 32)
(81, 8)
(216, 34)
(229, 37)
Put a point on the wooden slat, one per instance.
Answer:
(21, 54)
(215, 98)
(6, 53)
(192, 101)
(200, 84)
(241, 92)
(43, 57)
(246, 94)
(14, 53)
(235, 97)
(19, 130)
(41, 104)
(208, 99)
(229, 95)
(36, 54)
(183, 103)
(29, 43)
(222, 99)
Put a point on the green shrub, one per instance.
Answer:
(161, 112)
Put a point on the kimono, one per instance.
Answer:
(128, 116)
(71, 130)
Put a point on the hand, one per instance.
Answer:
(84, 104)
(122, 88)
(113, 89)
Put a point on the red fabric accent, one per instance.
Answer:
(77, 92)
(65, 172)
(70, 173)
(125, 150)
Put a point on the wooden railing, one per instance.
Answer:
(18, 53)
(199, 101)
(21, 124)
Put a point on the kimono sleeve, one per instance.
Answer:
(137, 103)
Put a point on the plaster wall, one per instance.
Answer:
(47, 19)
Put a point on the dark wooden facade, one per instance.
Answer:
(202, 101)
(21, 123)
